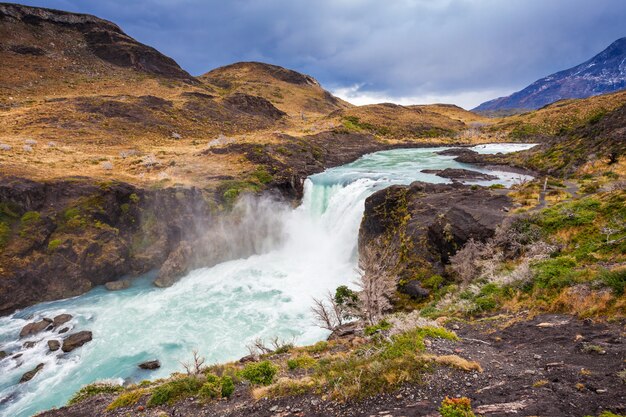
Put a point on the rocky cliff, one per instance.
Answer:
(420, 226)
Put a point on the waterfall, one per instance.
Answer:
(217, 310)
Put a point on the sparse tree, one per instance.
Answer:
(194, 367)
(376, 282)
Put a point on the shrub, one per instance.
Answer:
(319, 347)
(301, 362)
(133, 198)
(616, 280)
(172, 391)
(555, 273)
(456, 407)
(5, 234)
(382, 325)
(94, 389)
(261, 373)
(30, 217)
(53, 244)
(212, 388)
(228, 386)
(126, 399)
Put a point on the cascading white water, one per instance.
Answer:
(219, 309)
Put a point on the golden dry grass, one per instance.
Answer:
(455, 361)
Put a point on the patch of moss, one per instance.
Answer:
(301, 362)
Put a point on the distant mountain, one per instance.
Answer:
(604, 73)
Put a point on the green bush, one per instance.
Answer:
(212, 388)
(616, 280)
(261, 373)
(5, 234)
(456, 407)
(94, 389)
(319, 347)
(31, 217)
(53, 244)
(172, 391)
(382, 325)
(228, 386)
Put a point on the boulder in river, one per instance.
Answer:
(76, 340)
(64, 330)
(176, 265)
(29, 345)
(54, 345)
(3, 354)
(61, 319)
(121, 284)
(31, 374)
(460, 174)
(150, 365)
(35, 327)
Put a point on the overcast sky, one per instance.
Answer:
(403, 51)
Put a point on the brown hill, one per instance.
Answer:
(294, 93)
(395, 121)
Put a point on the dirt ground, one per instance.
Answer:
(549, 366)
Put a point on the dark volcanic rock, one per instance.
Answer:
(29, 345)
(426, 224)
(460, 174)
(31, 374)
(35, 327)
(61, 319)
(54, 345)
(76, 340)
(150, 365)
(64, 330)
(176, 265)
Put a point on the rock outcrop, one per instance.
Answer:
(176, 265)
(102, 38)
(422, 225)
